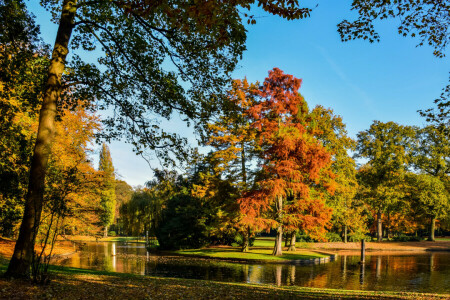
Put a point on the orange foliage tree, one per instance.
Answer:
(234, 140)
(293, 160)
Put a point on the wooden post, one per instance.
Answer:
(363, 251)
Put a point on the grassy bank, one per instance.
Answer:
(72, 283)
(441, 244)
(254, 254)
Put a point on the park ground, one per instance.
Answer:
(72, 283)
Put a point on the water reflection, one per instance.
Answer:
(428, 272)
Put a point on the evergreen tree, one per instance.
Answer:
(108, 198)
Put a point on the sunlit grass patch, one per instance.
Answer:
(254, 254)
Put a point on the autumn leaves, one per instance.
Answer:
(294, 166)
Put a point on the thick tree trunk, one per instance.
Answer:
(19, 266)
(277, 250)
(432, 229)
(105, 232)
(292, 241)
(379, 227)
(345, 234)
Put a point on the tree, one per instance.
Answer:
(124, 193)
(425, 19)
(292, 160)
(235, 142)
(23, 64)
(108, 189)
(387, 147)
(330, 129)
(202, 41)
(430, 198)
(432, 153)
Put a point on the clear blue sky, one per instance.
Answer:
(362, 82)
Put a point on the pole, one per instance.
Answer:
(363, 251)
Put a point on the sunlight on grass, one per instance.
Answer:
(254, 254)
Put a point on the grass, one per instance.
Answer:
(73, 283)
(443, 239)
(254, 254)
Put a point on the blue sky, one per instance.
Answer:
(362, 82)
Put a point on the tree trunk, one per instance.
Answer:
(345, 234)
(432, 229)
(379, 227)
(292, 242)
(246, 242)
(388, 232)
(105, 232)
(277, 250)
(19, 266)
(286, 240)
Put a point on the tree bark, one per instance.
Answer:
(432, 229)
(277, 250)
(105, 232)
(246, 242)
(379, 227)
(345, 234)
(19, 266)
(292, 241)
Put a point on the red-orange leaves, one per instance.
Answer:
(293, 159)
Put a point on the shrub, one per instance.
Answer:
(333, 237)
(112, 233)
(302, 237)
(358, 236)
(406, 238)
(183, 224)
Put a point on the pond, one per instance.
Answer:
(424, 272)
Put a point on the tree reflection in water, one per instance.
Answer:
(427, 272)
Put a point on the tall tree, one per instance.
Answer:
(387, 148)
(108, 189)
(432, 152)
(23, 64)
(430, 198)
(331, 130)
(235, 142)
(292, 159)
(202, 40)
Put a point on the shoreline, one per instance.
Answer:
(74, 283)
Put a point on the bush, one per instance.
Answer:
(183, 224)
(406, 238)
(302, 237)
(358, 236)
(112, 233)
(333, 237)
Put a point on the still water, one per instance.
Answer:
(426, 272)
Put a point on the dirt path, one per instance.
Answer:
(384, 246)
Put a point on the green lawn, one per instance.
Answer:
(264, 242)
(444, 239)
(254, 254)
(73, 283)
